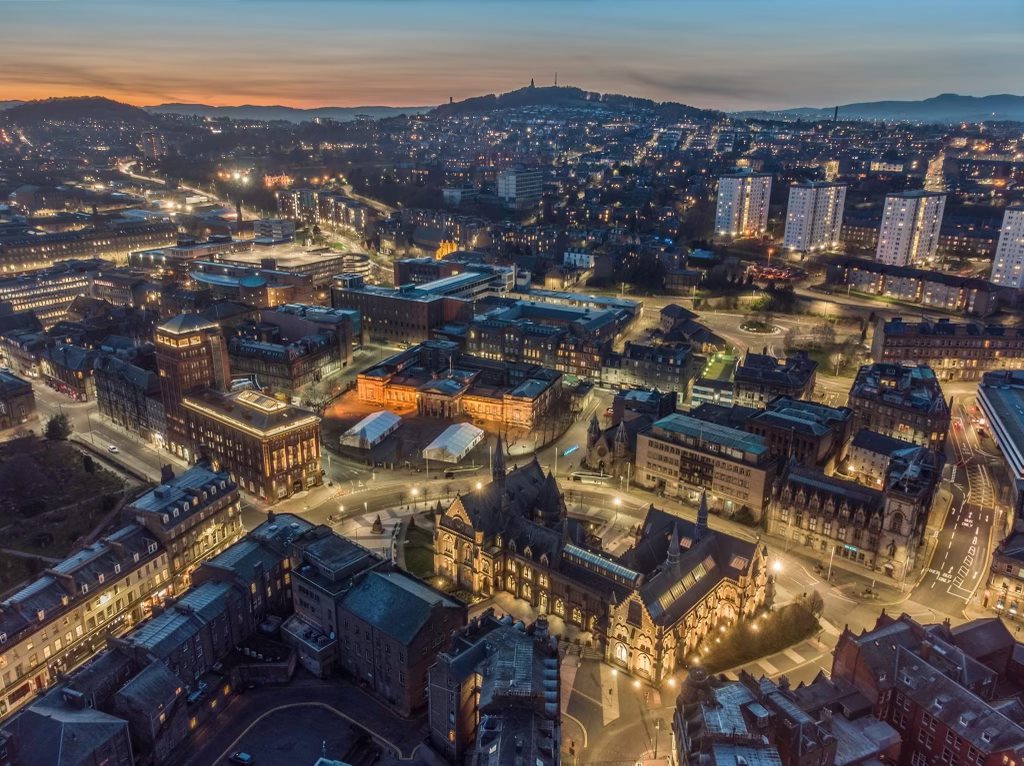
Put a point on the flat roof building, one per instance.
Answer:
(682, 456)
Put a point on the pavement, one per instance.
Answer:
(608, 716)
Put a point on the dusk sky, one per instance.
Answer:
(728, 54)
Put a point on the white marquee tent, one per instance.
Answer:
(371, 430)
(454, 443)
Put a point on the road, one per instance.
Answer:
(627, 722)
(959, 565)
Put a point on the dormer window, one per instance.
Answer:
(41, 615)
(135, 557)
(175, 513)
(117, 569)
(85, 588)
(3, 638)
(165, 518)
(100, 578)
(152, 548)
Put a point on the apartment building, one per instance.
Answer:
(814, 216)
(742, 206)
(954, 350)
(61, 619)
(911, 222)
(901, 401)
(194, 516)
(1008, 263)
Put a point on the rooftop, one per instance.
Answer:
(703, 431)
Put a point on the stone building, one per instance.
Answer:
(901, 401)
(882, 529)
(496, 690)
(646, 610)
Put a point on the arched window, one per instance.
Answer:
(577, 615)
(644, 664)
(897, 523)
(448, 543)
(511, 584)
(559, 607)
(621, 653)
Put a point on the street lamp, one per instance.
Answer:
(776, 566)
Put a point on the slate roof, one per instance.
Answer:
(59, 589)
(706, 558)
(186, 495)
(872, 441)
(792, 372)
(58, 735)
(155, 687)
(394, 603)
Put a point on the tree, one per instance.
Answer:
(789, 340)
(824, 335)
(317, 397)
(58, 428)
(814, 603)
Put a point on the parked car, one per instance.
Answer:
(242, 759)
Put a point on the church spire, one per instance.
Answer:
(593, 432)
(673, 547)
(498, 462)
(701, 529)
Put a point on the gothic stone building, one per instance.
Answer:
(879, 528)
(647, 610)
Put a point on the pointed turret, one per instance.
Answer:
(672, 559)
(593, 432)
(621, 446)
(550, 509)
(701, 529)
(498, 462)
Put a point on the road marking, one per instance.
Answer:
(793, 655)
(769, 669)
(579, 723)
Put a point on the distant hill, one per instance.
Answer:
(949, 107)
(285, 113)
(9, 104)
(568, 98)
(72, 109)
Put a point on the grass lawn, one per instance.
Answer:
(751, 640)
(48, 498)
(419, 552)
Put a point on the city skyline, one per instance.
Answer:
(739, 55)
